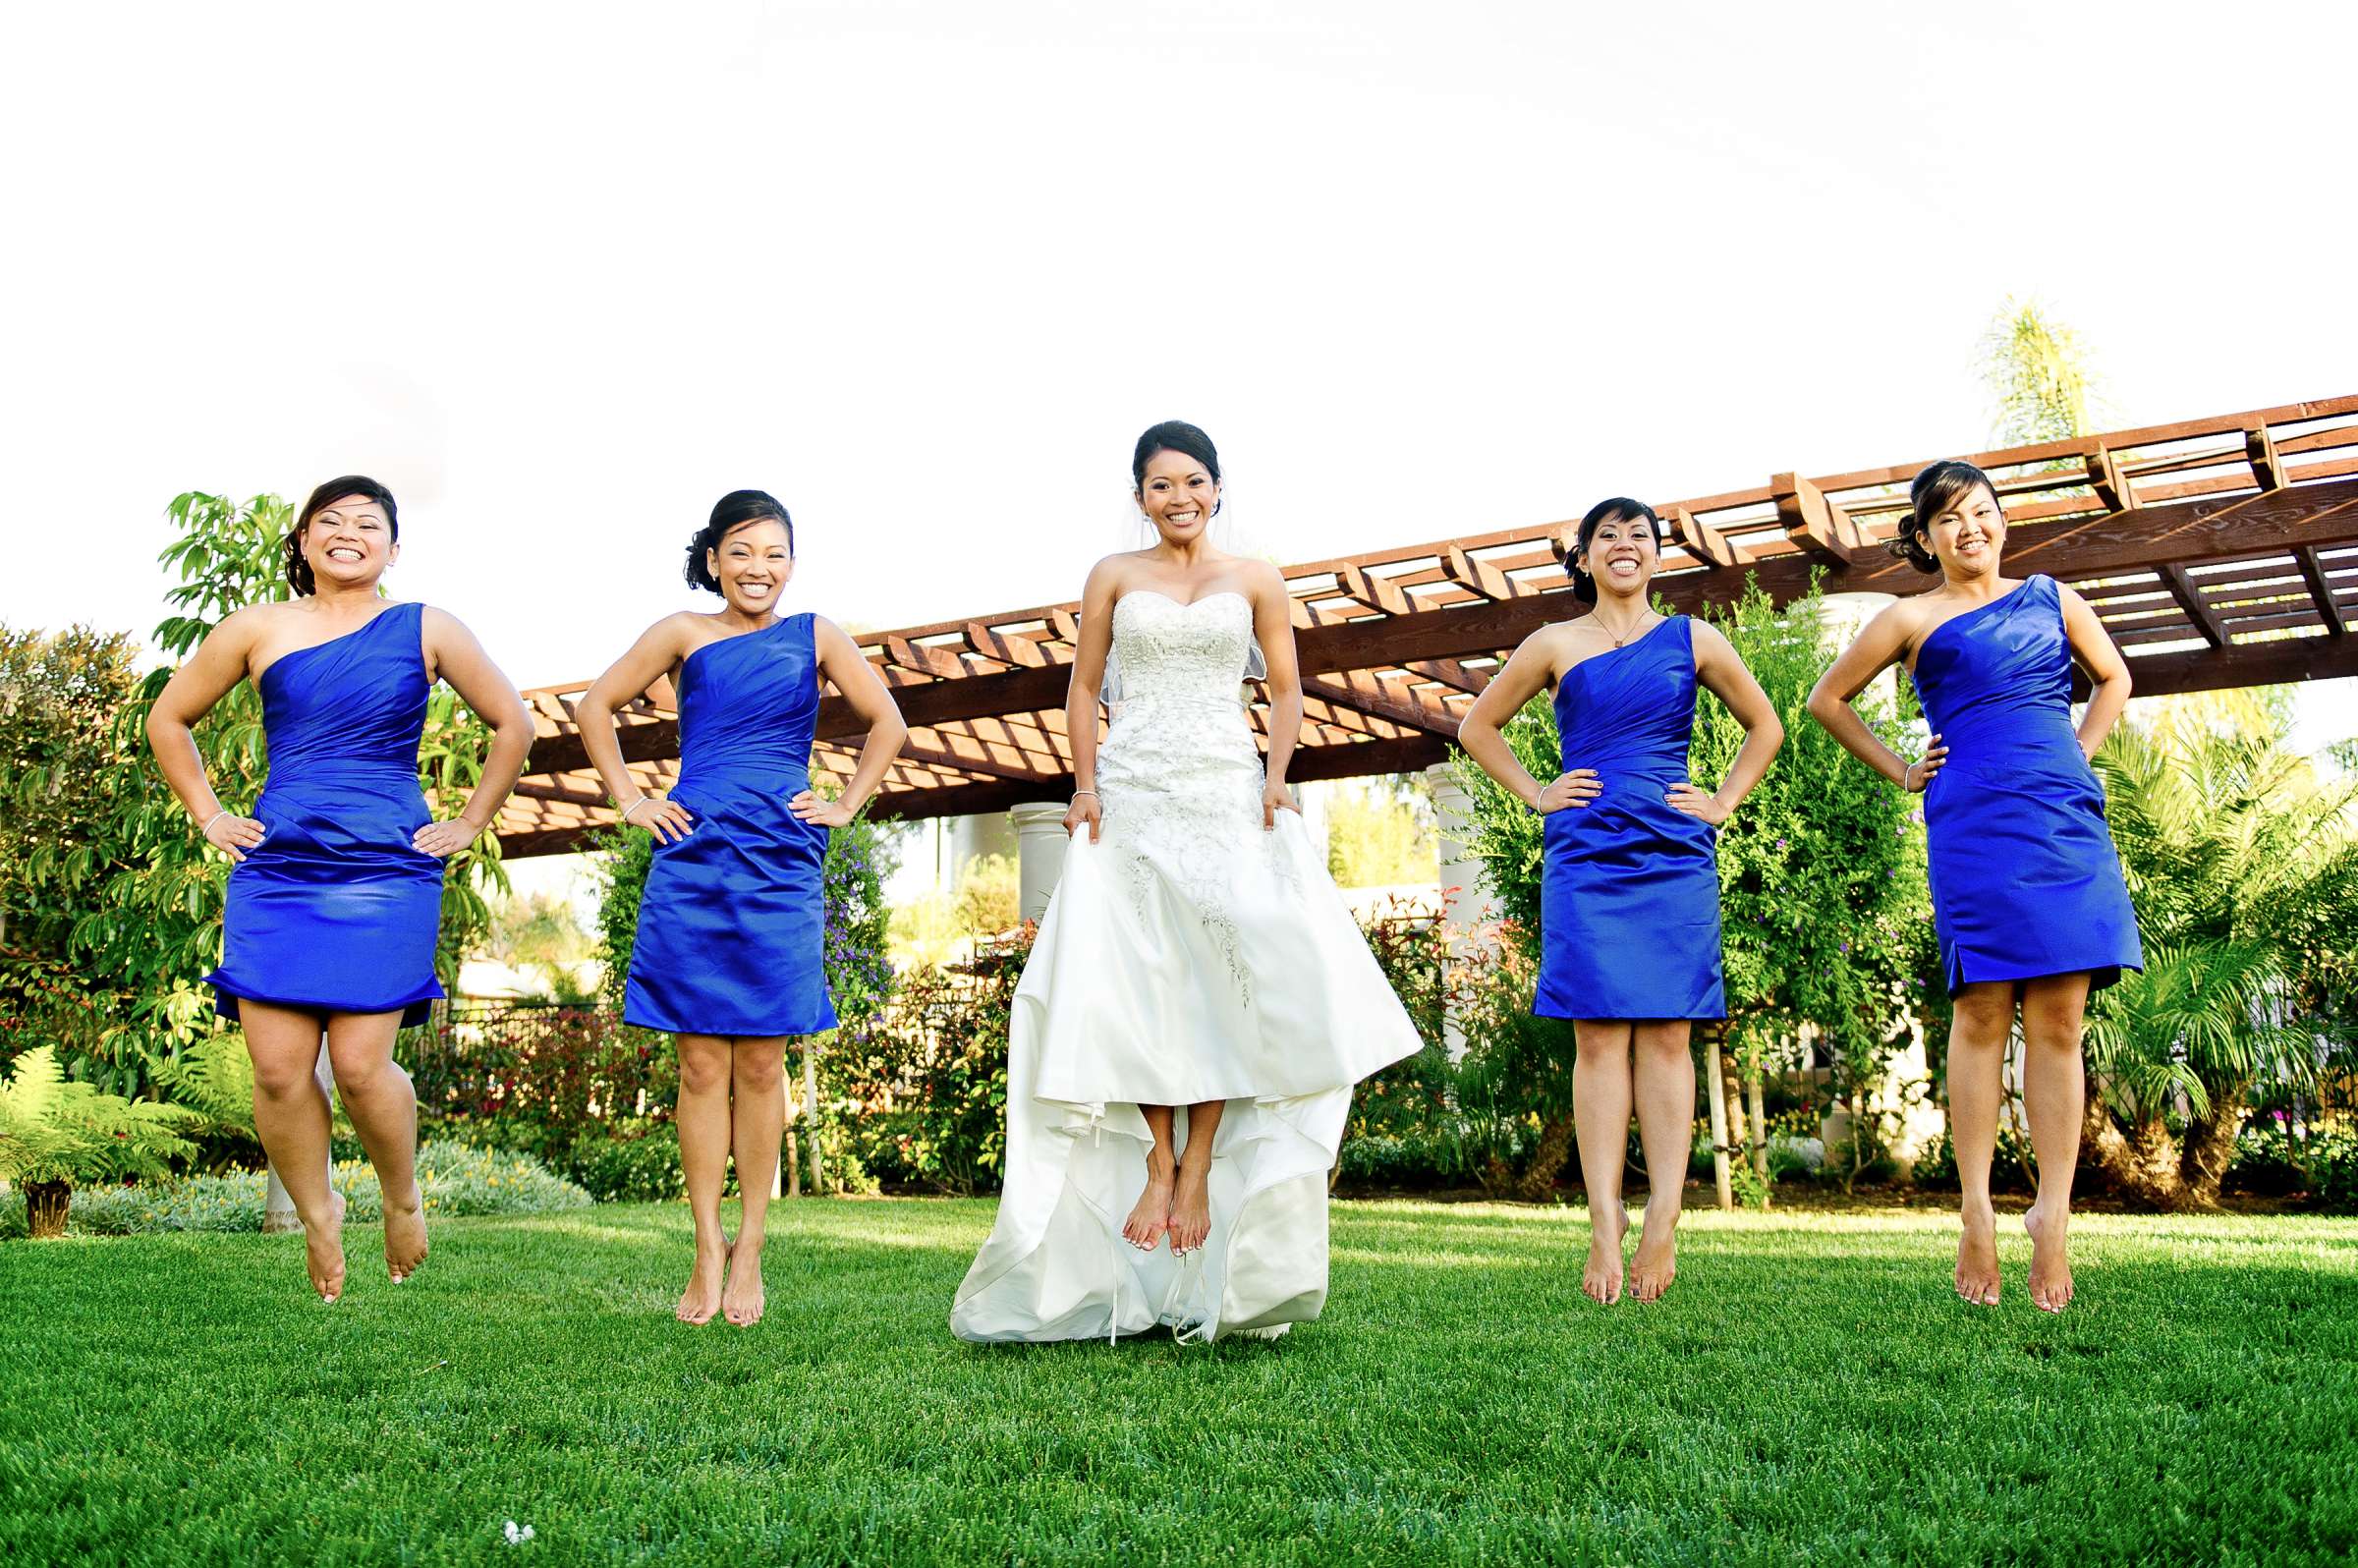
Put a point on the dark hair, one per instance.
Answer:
(299, 577)
(1938, 487)
(730, 513)
(1613, 509)
(1175, 436)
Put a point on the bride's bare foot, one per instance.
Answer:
(1191, 1207)
(1656, 1263)
(1977, 1257)
(701, 1299)
(405, 1235)
(324, 1251)
(743, 1301)
(2050, 1261)
(1601, 1279)
(1153, 1216)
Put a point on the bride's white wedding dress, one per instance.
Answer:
(1191, 955)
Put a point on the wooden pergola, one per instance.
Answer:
(2220, 552)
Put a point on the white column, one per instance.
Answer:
(1847, 616)
(1040, 842)
(1467, 907)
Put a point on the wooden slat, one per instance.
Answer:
(1814, 523)
(1374, 593)
(1384, 698)
(2267, 466)
(1007, 649)
(1704, 542)
(2321, 591)
(938, 662)
(1479, 577)
(2198, 609)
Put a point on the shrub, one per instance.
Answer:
(56, 1135)
(457, 1181)
(536, 1077)
(636, 1161)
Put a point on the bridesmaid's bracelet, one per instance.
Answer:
(210, 820)
(634, 806)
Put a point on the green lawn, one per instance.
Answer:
(1811, 1389)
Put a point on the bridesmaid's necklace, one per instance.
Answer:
(1646, 623)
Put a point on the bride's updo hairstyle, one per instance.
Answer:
(299, 577)
(1938, 487)
(1175, 436)
(1613, 509)
(730, 513)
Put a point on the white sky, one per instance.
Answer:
(563, 274)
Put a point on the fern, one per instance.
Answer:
(53, 1129)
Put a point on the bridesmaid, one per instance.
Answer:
(2028, 899)
(1630, 892)
(336, 890)
(729, 955)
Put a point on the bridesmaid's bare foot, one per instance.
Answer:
(1191, 1207)
(324, 1251)
(2051, 1262)
(405, 1235)
(1601, 1279)
(701, 1299)
(1153, 1216)
(1977, 1257)
(1657, 1262)
(744, 1301)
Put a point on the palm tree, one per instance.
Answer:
(2234, 852)
(2041, 374)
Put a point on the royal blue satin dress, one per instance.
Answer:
(2025, 878)
(334, 911)
(1629, 896)
(732, 928)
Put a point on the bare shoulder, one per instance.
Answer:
(1709, 641)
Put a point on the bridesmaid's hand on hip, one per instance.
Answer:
(1685, 797)
(819, 814)
(667, 819)
(1920, 772)
(1276, 798)
(232, 836)
(1576, 788)
(442, 840)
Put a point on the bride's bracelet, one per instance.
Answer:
(1091, 794)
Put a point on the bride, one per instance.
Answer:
(1198, 1000)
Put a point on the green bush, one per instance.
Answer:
(457, 1181)
(636, 1161)
(923, 1095)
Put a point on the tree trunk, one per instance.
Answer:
(1756, 1100)
(45, 1204)
(2142, 1160)
(1715, 1086)
(2210, 1143)
(1547, 1159)
(818, 1180)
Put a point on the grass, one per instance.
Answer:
(1812, 1390)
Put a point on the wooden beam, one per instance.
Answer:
(1450, 673)
(1814, 523)
(532, 789)
(938, 662)
(2189, 596)
(1479, 577)
(1007, 649)
(2267, 468)
(2105, 479)
(1374, 593)
(1383, 698)
(2321, 591)
(936, 757)
(1704, 542)
(2271, 663)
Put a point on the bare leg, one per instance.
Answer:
(704, 1123)
(2055, 1091)
(1665, 1098)
(1600, 1104)
(1153, 1216)
(1190, 1189)
(383, 1108)
(291, 1116)
(759, 1114)
(1982, 1020)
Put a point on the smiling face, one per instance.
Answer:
(349, 543)
(753, 563)
(1621, 555)
(1968, 535)
(1177, 495)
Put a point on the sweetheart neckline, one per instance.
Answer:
(1184, 604)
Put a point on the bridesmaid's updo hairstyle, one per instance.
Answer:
(1938, 487)
(299, 577)
(1175, 436)
(730, 513)
(1613, 509)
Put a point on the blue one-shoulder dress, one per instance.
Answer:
(334, 911)
(2026, 880)
(732, 928)
(1629, 896)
